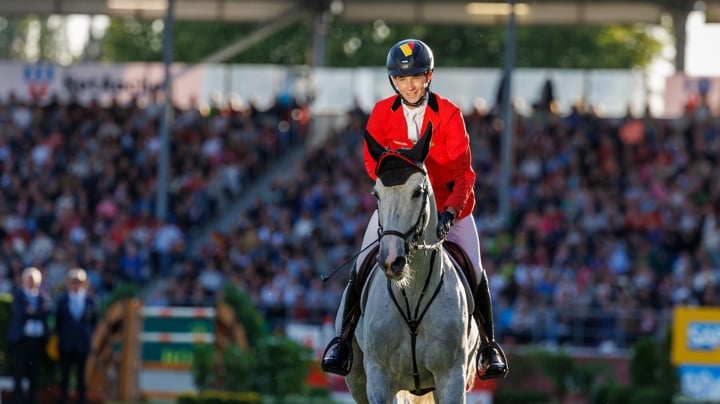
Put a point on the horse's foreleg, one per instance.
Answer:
(405, 397)
(356, 380)
(451, 388)
(378, 390)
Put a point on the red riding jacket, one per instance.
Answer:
(449, 162)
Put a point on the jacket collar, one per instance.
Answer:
(432, 102)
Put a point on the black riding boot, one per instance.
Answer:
(338, 354)
(492, 362)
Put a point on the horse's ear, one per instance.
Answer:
(375, 148)
(421, 149)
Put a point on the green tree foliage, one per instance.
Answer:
(129, 40)
(246, 314)
(272, 365)
(122, 291)
(350, 45)
(34, 39)
(567, 374)
(203, 367)
(650, 365)
(139, 40)
(277, 366)
(653, 378)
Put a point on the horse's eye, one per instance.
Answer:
(419, 192)
(374, 194)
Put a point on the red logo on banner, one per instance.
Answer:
(38, 78)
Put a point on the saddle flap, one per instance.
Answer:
(464, 268)
(461, 258)
(365, 274)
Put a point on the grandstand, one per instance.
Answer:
(610, 230)
(615, 220)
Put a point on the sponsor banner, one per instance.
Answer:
(700, 382)
(100, 82)
(696, 336)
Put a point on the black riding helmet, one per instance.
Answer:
(408, 57)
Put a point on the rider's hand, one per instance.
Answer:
(445, 220)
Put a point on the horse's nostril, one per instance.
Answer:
(399, 263)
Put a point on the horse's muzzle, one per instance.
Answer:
(395, 269)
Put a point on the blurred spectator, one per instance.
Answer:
(27, 334)
(76, 316)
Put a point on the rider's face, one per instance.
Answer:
(412, 88)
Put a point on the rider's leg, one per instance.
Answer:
(491, 361)
(338, 354)
(491, 358)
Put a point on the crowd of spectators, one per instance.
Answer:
(612, 222)
(79, 183)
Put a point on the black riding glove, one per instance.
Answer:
(445, 220)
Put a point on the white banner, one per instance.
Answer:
(100, 82)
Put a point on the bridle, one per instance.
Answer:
(413, 235)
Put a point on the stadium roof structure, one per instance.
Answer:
(276, 14)
(570, 12)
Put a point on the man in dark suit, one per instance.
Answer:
(27, 333)
(75, 319)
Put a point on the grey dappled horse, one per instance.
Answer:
(415, 339)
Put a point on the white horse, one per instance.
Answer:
(415, 339)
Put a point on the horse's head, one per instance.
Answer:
(405, 202)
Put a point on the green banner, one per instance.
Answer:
(169, 353)
(179, 324)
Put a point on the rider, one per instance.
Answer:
(396, 122)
